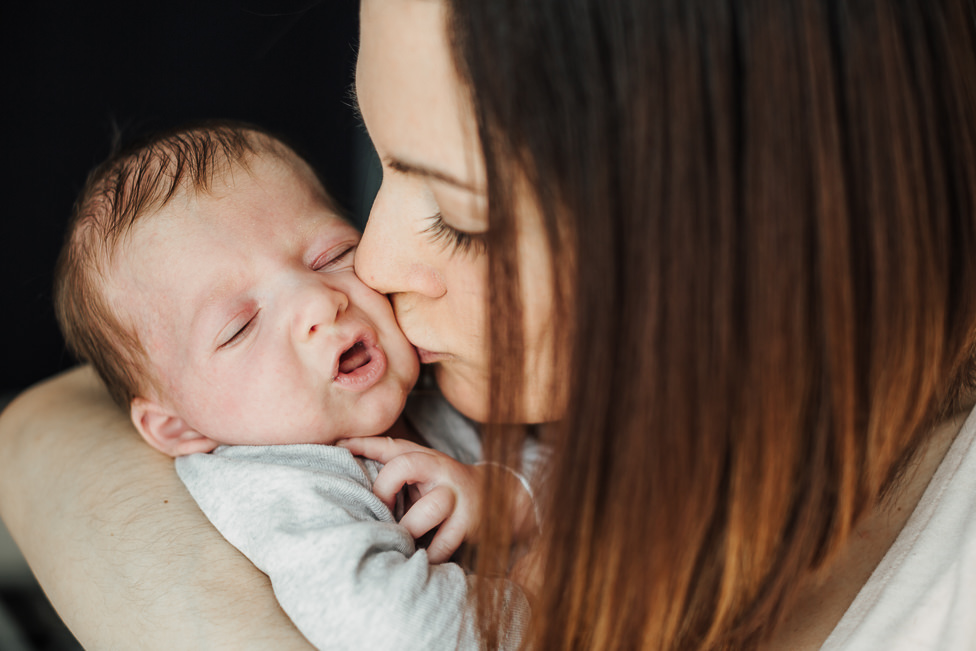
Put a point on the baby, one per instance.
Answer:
(208, 278)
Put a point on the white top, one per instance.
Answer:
(922, 595)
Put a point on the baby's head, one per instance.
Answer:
(209, 280)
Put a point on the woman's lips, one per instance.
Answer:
(429, 357)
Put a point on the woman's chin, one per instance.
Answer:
(467, 396)
(470, 397)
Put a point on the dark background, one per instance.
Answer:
(73, 71)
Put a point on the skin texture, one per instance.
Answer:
(430, 202)
(245, 298)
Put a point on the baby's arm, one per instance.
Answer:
(445, 492)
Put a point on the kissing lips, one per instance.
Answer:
(360, 366)
(428, 357)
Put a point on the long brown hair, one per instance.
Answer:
(762, 221)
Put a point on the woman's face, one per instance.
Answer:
(422, 244)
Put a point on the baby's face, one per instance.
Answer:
(257, 326)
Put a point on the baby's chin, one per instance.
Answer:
(381, 422)
(314, 434)
(397, 429)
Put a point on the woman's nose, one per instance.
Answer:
(393, 256)
(317, 306)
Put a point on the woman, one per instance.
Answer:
(724, 249)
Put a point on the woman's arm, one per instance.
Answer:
(118, 545)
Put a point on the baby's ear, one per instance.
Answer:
(165, 430)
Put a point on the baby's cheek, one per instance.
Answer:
(228, 405)
(224, 405)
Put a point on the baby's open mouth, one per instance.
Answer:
(355, 357)
(360, 366)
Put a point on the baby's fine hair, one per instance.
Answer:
(136, 180)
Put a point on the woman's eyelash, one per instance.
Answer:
(240, 333)
(459, 241)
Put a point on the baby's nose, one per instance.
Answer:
(318, 309)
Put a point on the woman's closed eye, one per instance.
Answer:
(240, 334)
(459, 241)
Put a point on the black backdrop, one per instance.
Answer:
(74, 69)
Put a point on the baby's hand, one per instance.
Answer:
(448, 491)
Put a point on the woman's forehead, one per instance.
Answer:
(409, 94)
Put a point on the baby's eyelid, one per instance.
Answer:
(240, 333)
(334, 256)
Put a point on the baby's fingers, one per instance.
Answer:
(447, 540)
(429, 511)
(415, 468)
(379, 448)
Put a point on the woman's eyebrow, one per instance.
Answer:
(417, 169)
(407, 167)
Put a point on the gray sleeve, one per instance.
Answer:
(343, 570)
